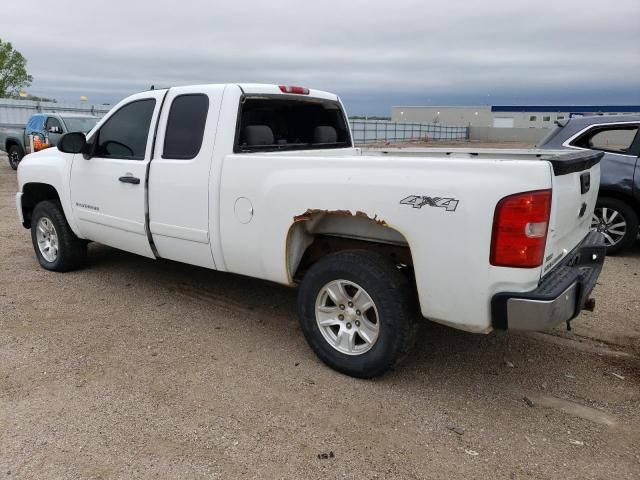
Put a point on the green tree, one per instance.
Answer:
(35, 98)
(13, 70)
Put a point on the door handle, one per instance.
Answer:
(585, 182)
(130, 179)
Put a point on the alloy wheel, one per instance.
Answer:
(347, 317)
(610, 223)
(47, 238)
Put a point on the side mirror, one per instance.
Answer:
(74, 142)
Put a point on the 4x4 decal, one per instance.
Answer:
(419, 201)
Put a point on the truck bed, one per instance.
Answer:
(432, 152)
(483, 153)
(562, 161)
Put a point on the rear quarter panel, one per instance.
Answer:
(450, 249)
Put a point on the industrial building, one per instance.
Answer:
(503, 116)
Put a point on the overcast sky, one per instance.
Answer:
(373, 53)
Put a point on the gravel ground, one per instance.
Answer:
(134, 368)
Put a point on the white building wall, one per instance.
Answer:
(534, 119)
(478, 116)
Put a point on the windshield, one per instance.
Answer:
(79, 124)
(279, 122)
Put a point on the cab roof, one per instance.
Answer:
(267, 89)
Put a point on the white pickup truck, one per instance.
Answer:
(264, 181)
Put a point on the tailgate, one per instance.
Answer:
(575, 182)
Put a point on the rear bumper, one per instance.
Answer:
(561, 294)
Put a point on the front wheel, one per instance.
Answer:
(15, 155)
(57, 247)
(617, 222)
(357, 312)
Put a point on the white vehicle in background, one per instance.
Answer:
(264, 181)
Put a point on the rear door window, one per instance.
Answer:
(614, 139)
(185, 126)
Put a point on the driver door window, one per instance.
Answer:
(124, 135)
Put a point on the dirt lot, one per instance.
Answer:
(134, 368)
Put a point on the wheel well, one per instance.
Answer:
(10, 143)
(316, 234)
(629, 200)
(32, 194)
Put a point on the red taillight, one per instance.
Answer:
(520, 226)
(292, 89)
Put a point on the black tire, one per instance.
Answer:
(629, 216)
(71, 251)
(394, 299)
(15, 154)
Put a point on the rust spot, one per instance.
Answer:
(317, 211)
(375, 218)
(346, 213)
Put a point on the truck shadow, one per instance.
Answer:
(469, 364)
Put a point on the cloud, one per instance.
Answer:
(373, 53)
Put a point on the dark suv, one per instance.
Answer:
(618, 208)
(43, 130)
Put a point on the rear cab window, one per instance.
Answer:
(609, 138)
(287, 122)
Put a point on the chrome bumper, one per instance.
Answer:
(561, 294)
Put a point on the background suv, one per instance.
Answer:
(618, 208)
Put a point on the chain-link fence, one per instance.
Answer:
(377, 131)
(16, 113)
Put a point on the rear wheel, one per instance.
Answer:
(617, 222)
(15, 155)
(357, 312)
(57, 247)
